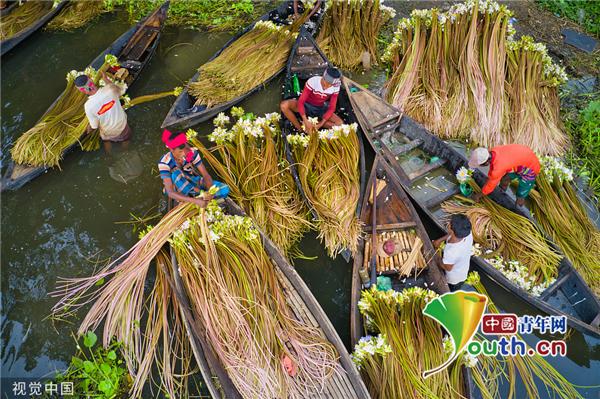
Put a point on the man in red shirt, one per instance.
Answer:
(507, 162)
(318, 99)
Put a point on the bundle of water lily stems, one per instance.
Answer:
(529, 369)
(561, 215)
(408, 344)
(509, 235)
(22, 17)
(350, 28)
(121, 304)
(328, 168)
(248, 62)
(234, 288)
(247, 159)
(77, 14)
(227, 276)
(461, 74)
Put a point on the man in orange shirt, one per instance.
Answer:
(507, 162)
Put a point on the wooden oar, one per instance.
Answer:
(374, 233)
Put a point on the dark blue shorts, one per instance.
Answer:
(314, 111)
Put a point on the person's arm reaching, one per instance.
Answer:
(302, 110)
(172, 193)
(492, 181)
(93, 121)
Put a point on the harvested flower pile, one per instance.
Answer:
(560, 214)
(462, 75)
(328, 168)
(247, 158)
(350, 28)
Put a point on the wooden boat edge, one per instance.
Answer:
(9, 44)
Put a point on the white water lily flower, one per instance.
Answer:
(221, 120)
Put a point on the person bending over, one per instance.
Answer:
(183, 174)
(507, 162)
(318, 99)
(457, 251)
(104, 111)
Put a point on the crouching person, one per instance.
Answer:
(183, 173)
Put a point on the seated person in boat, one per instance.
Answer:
(457, 250)
(296, 8)
(507, 163)
(104, 111)
(183, 173)
(318, 99)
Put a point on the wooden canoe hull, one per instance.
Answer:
(569, 295)
(9, 44)
(16, 175)
(305, 65)
(181, 117)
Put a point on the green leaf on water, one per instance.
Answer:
(90, 339)
(88, 366)
(99, 282)
(105, 386)
(111, 355)
(105, 368)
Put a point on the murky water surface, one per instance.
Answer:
(64, 221)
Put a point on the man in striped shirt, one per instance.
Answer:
(183, 173)
(507, 163)
(318, 100)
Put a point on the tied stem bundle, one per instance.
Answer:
(462, 75)
(561, 215)
(408, 344)
(527, 369)
(256, 56)
(508, 234)
(22, 17)
(236, 291)
(61, 127)
(350, 29)
(328, 168)
(247, 158)
(121, 304)
(77, 14)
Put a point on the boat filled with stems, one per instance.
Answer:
(224, 263)
(462, 75)
(350, 29)
(561, 215)
(247, 156)
(432, 171)
(328, 165)
(77, 14)
(241, 67)
(44, 145)
(20, 21)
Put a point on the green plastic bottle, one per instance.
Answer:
(296, 84)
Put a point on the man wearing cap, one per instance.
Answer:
(507, 162)
(104, 111)
(457, 251)
(183, 173)
(318, 99)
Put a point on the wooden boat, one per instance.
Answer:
(7, 10)
(133, 49)
(184, 113)
(344, 384)
(425, 165)
(307, 60)
(10, 43)
(395, 217)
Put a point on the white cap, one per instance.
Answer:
(478, 156)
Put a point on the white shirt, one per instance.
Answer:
(104, 111)
(458, 254)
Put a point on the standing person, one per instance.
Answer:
(318, 99)
(296, 9)
(104, 111)
(183, 174)
(457, 251)
(507, 162)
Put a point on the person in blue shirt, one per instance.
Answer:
(183, 173)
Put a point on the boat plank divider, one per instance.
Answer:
(550, 290)
(441, 197)
(425, 169)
